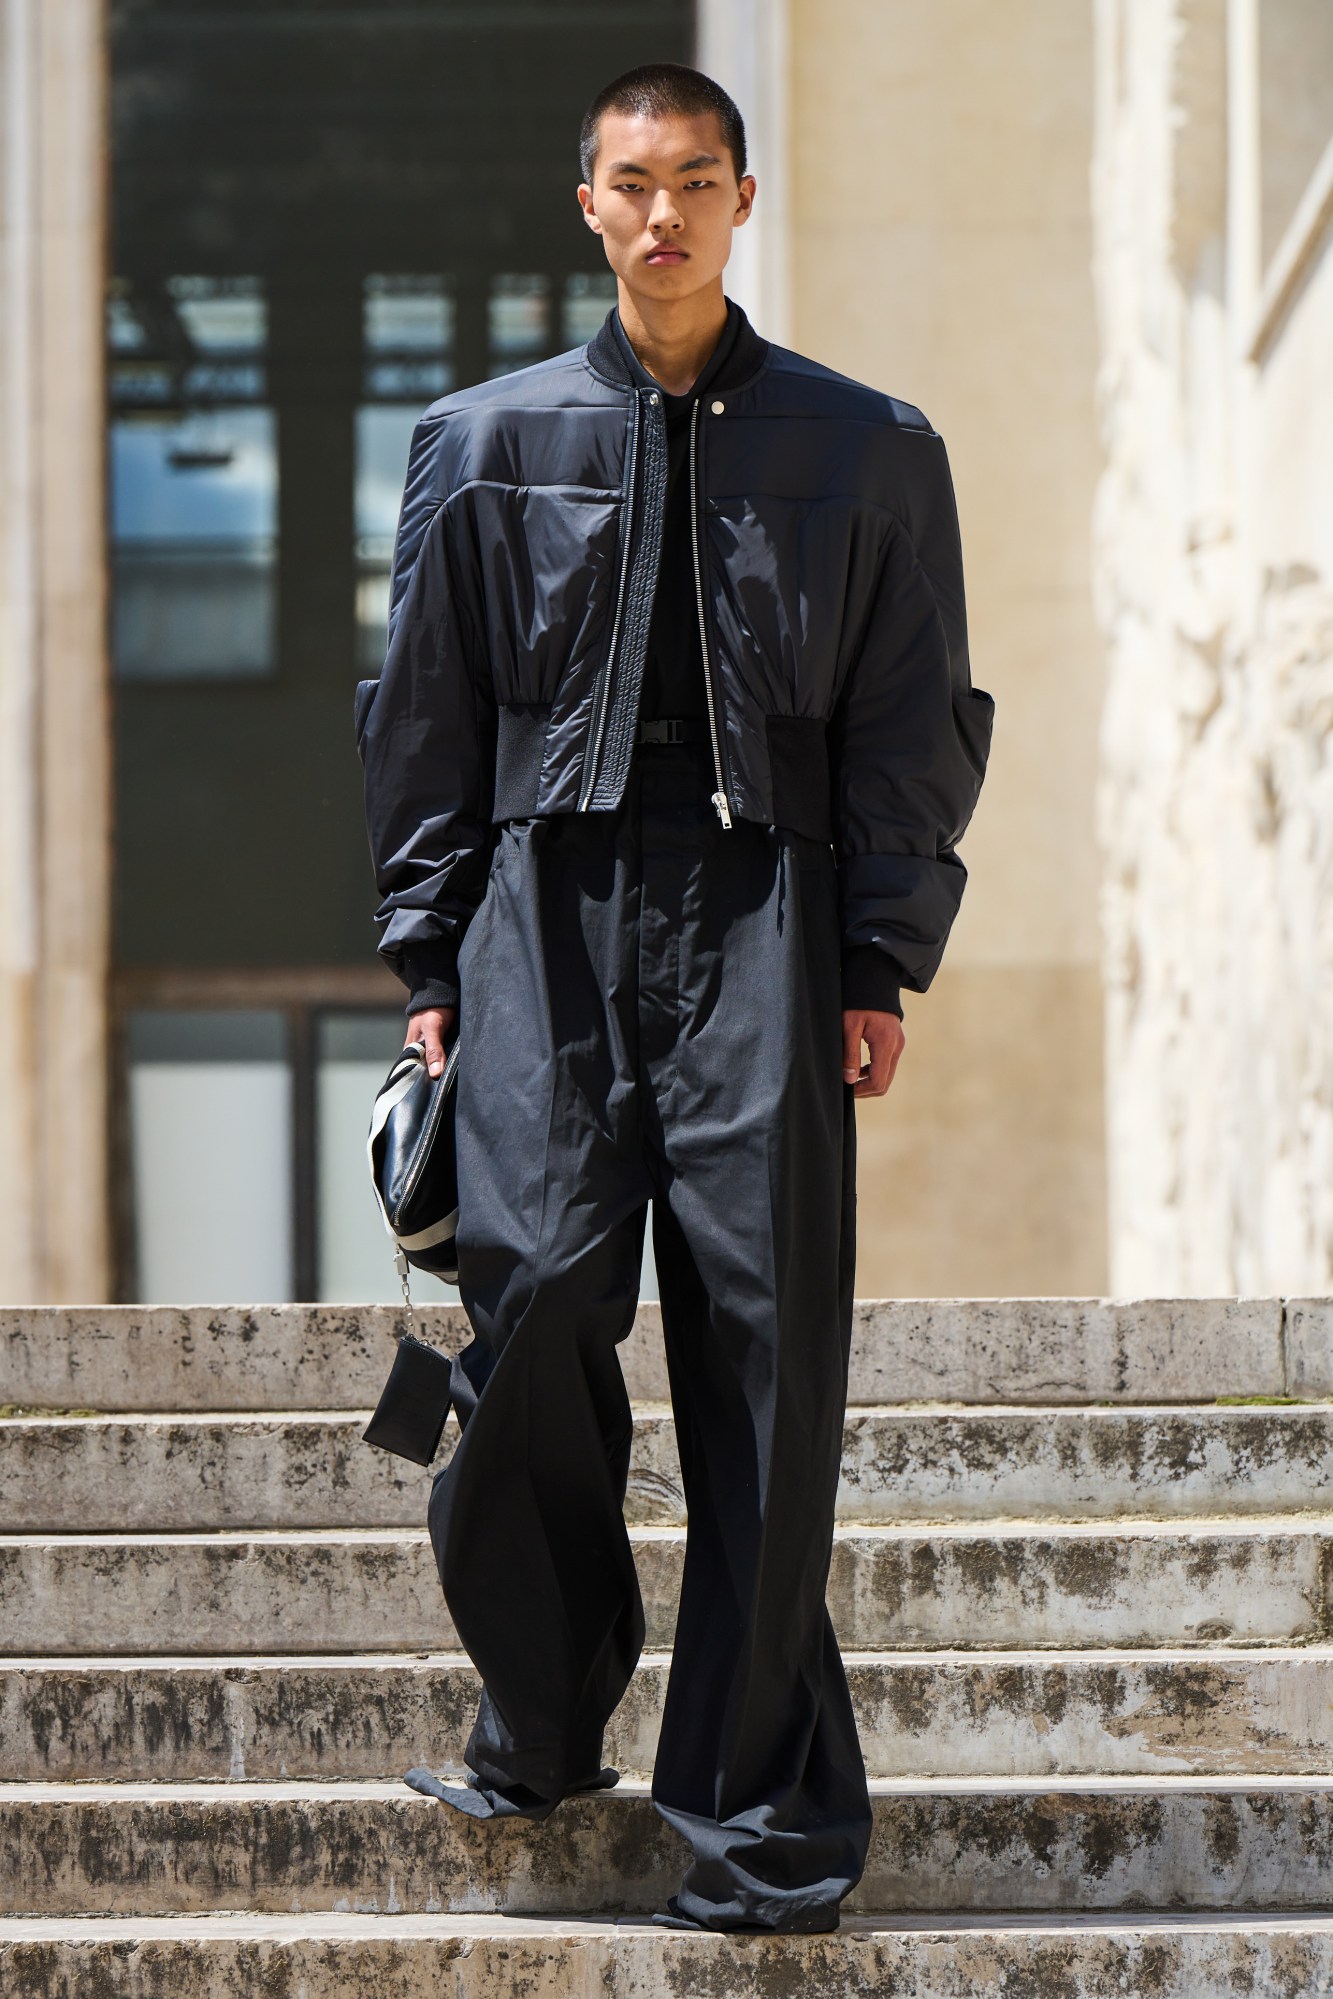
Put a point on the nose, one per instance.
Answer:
(664, 213)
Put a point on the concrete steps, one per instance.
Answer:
(1007, 1584)
(1117, 1844)
(203, 1472)
(983, 1350)
(922, 1714)
(1086, 1601)
(485, 1957)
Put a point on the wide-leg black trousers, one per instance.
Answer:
(651, 1013)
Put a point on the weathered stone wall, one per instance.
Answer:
(1214, 566)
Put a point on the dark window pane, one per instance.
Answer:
(408, 336)
(383, 437)
(193, 515)
(518, 321)
(589, 296)
(323, 217)
(221, 315)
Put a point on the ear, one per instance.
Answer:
(589, 212)
(744, 200)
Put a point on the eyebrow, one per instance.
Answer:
(632, 166)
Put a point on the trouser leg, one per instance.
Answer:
(526, 1520)
(759, 1765)
(652, 1006)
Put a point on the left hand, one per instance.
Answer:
(883, 1036)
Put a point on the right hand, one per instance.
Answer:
(431, 1026)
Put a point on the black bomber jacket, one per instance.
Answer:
(829, 590)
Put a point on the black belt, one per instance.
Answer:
(673, 729)
(798, 762)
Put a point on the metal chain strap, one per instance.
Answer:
(402, 1265)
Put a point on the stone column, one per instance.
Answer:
(745, 46)
(55, 723)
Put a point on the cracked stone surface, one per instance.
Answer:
(203, 1472)
(933, 1714)
(485, 1958)
(1179, 1843)
(998, 1585)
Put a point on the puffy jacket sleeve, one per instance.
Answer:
(910, 738)
(426, 735)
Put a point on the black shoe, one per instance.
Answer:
(480, 1801)
(673, 1919)
(605, 1780)
(816, 1922)
(461, 1796)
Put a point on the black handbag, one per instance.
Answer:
(414, 1163)
(414, 1171)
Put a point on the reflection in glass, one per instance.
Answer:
(408, 314)
(194, 477)
(124, 328)
(517, 318)
(210, 1105)
(383, 436)
(193, 527)
(408, 337)
(588, 297)
(186, 340)
(221, 315)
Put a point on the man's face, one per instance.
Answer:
(664, 201)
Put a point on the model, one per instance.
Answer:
(673, 745)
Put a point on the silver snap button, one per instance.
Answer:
(717, 408)
(654, 398)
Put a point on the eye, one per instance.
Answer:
(628, 187)
(698, 183)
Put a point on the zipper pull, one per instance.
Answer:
(723, 809)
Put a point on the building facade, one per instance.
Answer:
(243, 248)
(1213, 170)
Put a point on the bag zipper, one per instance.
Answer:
(719, 798)
(416, 1164)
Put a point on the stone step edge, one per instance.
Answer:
(1039, 1849)
(323, 1926)
(388, 1957)
(997, 1527)
(1108, 1657)
(1038, 1350)
(637, 1790)
(646, 1410)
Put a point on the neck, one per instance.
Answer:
(674, 337)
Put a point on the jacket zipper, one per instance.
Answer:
(594, 750)
(719, 799)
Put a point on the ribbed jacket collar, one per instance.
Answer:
(610, 353)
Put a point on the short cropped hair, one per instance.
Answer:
(661, 90)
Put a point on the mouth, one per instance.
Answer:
(666, 253)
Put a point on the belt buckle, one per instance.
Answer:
(670, 730)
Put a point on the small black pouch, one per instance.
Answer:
(410, 1415)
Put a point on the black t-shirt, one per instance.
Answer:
(673, 674)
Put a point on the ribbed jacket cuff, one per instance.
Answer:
(431, 980)
(871, 981)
